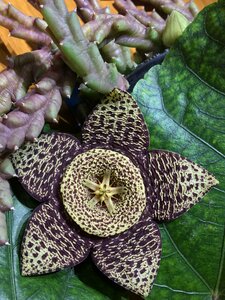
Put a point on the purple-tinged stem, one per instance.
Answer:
(82, 56)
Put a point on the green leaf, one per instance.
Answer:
(194, 243)
(183, 102)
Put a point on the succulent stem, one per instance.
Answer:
(6, 201)
(167, 6)
(82, 56)
(22, 26)
(3, 230)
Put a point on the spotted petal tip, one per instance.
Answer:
(39, 165)
(176, 184)
(117, 121)
(51, 242)
(132, 258)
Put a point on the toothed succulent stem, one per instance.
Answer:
(40, 61)
(111, 52)
(8, 83)
(6, 200)
(193, 8)
(88, 10)
(82, 56)
(23, 26)
(126, 31)
(26, 122)
(119, 55)
(3, 230)
(167, 6)
(15, 81)
(148, 20)
(40, 103)
(6, 168)
(68, 83)
(154, 23)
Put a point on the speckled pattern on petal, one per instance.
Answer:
(132, 258)
(39, 165)
(117, 120)
(176, 184)
(92, 165)
(51, 242)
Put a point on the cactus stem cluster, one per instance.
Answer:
(111, 52)
(6, 200)
(82, 56)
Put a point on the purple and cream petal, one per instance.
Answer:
(117, 121)
(39, 165)
(132, 258)
(52, 242)
(175, 184)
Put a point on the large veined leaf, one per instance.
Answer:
(183, 102)
(184, 105)
(193, 245)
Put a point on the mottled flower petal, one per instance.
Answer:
(51, 242)
(39, 165)
(117, 121)
(132, 258)
(176, 184)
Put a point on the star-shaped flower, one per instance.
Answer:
(103, 196)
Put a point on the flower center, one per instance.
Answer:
(103, 192)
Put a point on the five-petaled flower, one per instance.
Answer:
(103, 196)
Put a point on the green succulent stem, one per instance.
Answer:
(189, 10)
(6, 200)
(82, 56)
(91, 13)
(3, 230)
(6, 168)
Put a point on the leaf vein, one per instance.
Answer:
(10, 256)
(186, 129)
(185, 260)
(180, 291)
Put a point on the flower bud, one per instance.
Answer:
(175, 25)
